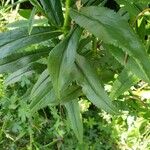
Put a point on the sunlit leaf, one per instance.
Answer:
(16, 39)
(61, 60)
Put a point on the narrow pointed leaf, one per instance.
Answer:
(26, 71)
(75, 118)
(61, 60)
(53, 10)
(16, 39)
(36, 4)
(48, 99)
(124, 81)
(130, 63)
(112, 29)
(46, 96)
(42, 93)
(91, 86)
(16, 61)
(72, 92)
(40, 86)
(31, 20)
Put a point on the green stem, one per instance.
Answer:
(52, 143)
(67, 18)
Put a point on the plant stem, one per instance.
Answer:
(67, 18)
(51, 143)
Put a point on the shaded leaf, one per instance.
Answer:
(131, 63)
(125, 80)
(91, 86)
(75, 118)
(112, 29)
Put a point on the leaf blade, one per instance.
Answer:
(112, 29)
(124, 81)
(25, 71)
(53, 10)
(91, 86)
(61, 60)
(75, 118)
(16, 61)
(19, 38)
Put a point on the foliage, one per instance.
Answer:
(59, 53)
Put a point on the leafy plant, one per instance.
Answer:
(64, 51)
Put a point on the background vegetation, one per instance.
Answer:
(107, 60)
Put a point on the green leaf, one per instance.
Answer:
(42, 93)
(41, 102)
(129, 6)
(125, 80)
(31, 20)
(36, 4)
(53, 10)
(40, 86)
(131, 63)
(112, 29)
(25, 23)
(25, 13)
(61, 60)
(16, 61)
(83, 43)
(46, 96)
(16, 39)
(91, 86)
(75, 118)
(70, 93)
(26, 71)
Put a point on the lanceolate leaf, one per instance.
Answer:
(19, 38)
(53, 10)
(16, 61)
(112, 29)
(75, 118)
(61, 60)
(43, 101)
(42, 93)
(46, 96)
(26, 71)
(31, 20)
(72, 92)
(124, 81)
(36, 4)
(130, 63)
(91, 86)
(132, 9)
(42, 83)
